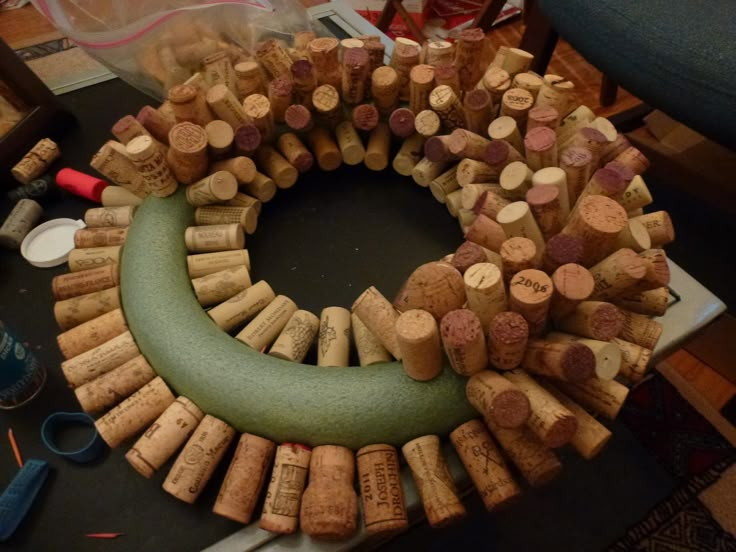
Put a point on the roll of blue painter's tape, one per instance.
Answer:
(91, 450)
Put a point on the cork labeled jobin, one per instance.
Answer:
(547, 198)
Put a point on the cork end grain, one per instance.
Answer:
(578, 363)
(509, 328)
(606, 322)
(467, 255)
(460, 328)
(511, 408)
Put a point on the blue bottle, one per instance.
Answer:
(21, 374)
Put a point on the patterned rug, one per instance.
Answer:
(693, 452)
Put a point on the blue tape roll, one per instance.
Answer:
(90, 451)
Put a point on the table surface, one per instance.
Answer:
(321, 243)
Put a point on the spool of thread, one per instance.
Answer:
(219, 286)
(379, 478)
(530, 294)
(197, 461)
(593, 319)
(498, 399)
(245, 478)
(263, 330)
(485, 465)
(74, 284)
(295, 152)
(283, 498)
(112, 387)
(508, 333)
(433, 481)
(206, 263)
(325, 149)
(380, 317)
(419, 343)
(135, 413)
(242, 306)
(605, 397)
(464, 341)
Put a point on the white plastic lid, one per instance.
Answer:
(49, 244)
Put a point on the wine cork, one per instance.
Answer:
(410, 153)
(82, 308)
(446, 104)
(36, 161)
(640, 329)
(326, 102)
(591, 139)
(128, 128)
(636, 195)
(486, 232)
(109, 216)
(467, 255)
(258, 111)
(435, 287)
(485, 465)
(218, 187)
(478, 105)
(591, 436)
(543, 116)
(380, 318)
(499, 154)
(439, 52)
(634, 359)
(298, 118)
(245, 478)
(659, 226)
(369, 347)
(530, 294)
(570, 124)
(405, 56)
(607, 355)
(376, 53)
(508, 333)
(215, 237)
(401, 122)
(562, 249)
(555, 177)
(351, 147)
(605, 397)
(517, 221)
(99, 237)
(469, 57)
(496, 81)
(540, 145)
(419, 343)
(433, 481)
(597, 221)
(242, 168)
(218, 69)
(74, 284)
(365, 117)
(454, 202)
(221, 285)
(112, 387)
(295, 340)
(444, 184)
(91, 334)
(280, 95)
(568, 361)
(593, 319)
(334, 337)
(226, 106)
(295, 152)
(246, 217)
(634, 159)
(189, 105)
(324, 55)
(207, 263)
(302, 39)
(464, 342)
(426, 170)
(604, 182)
(274, 58)
(249, 79)
(325, 149)
(198, 459)
(537, 463)
(273, 164)
(516, 61)
(427, 123)
(551, 422)
(385, 89)
(515, 180)
(437, 149)
(544, 204)
(220, 138)
(447, 75)
(516, 103)
(421, 83)
(93, 257)
(653, 302)
(617, 274)
(197, 80)
(288, 478)
(611, 150)
(112, 162)
(578, 165)
(466, 144)
(633, 236)
(242, 306)
(100, 359)
(355, 66)
(558, 93)
(152, 166)
(329, 507)
(244, 200)
(379, 479)
(505, 128)
(377, 150)
(498, 399)
(267, 325)
(187, 155)
(262, 187)
(19, 223)
(572, 285)
(248, 136)
(518, 254)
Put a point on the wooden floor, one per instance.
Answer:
(26, 26)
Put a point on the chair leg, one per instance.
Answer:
(387, 16)
(539, 38)
(608, 92)
(488, 14)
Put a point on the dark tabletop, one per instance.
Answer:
(321, 243)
